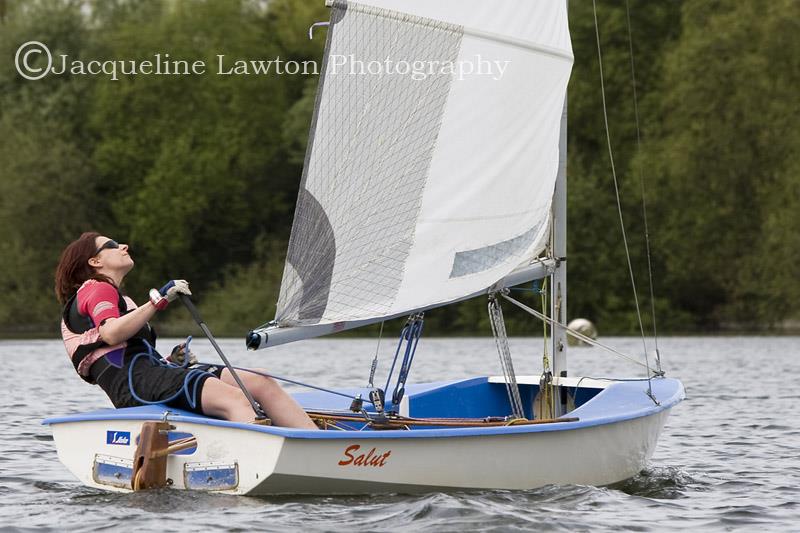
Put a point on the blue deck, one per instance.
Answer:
(469, 398)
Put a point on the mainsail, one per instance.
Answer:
(432, 156)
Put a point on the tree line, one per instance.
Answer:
(199, 173)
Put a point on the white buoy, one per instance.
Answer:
(583, 326)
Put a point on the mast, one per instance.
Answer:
(558, 285)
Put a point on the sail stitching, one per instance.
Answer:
(368, 166)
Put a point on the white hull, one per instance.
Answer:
(592, 456)
(270, 464)
(241, 459)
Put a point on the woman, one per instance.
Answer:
(104, 331)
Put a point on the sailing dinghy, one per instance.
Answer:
(419, 189)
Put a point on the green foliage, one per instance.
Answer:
(47, 186)
(232, 301)
(199, 173)
(191, 144)
(724, 163)
(599, 280)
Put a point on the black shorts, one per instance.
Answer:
(152, 382)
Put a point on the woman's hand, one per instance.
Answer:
(181, 353)
(162, 297)
(171, 290)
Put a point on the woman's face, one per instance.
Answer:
(111, 255)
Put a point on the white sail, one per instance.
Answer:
(422, 187)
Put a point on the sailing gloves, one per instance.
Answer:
(182, 355)
(162, 297)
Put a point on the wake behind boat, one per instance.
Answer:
(416, 193)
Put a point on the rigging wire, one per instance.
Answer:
(641, 184)
(616, 191)
(575, 333)
(292, 381)
(504, 351)
(374, 365)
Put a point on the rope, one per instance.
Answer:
(545, 356)
(546, 394)
(641, 185)
(411, 333)
(412, 330)
(403, 333)
(299, 383)
(156, 360)
(616, 190)
(201, 368)
(504, 351)
(402, 422)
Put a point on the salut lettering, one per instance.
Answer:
(371, 458)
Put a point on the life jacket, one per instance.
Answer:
(83, 325)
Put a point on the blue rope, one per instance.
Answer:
(403, 333)
(155, 360)
(410, 334)
(414, 336)
(191, 396)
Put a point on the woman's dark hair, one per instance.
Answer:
(73, 266)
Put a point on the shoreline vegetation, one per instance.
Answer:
(199, 173)
(179, 329)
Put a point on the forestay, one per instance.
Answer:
(432, 155)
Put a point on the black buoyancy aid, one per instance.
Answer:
(78, 323)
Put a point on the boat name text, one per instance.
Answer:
(371, 458)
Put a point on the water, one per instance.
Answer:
(727, 459)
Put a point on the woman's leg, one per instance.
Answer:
(279, 406)
(221, 400)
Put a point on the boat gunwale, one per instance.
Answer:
(630, 389)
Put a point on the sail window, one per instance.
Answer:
(487, 257)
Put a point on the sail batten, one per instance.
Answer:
(432, 157)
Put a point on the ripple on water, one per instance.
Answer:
(748, 515)
(50, 486)
(666, 483)
(727, 458)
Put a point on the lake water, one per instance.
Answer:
(728, 458)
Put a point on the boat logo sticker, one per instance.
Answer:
(371, 458)
(120, 438)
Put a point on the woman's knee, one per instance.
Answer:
(254, 379)
(271, 382)
(262, 375)
(237, 407)
(237, 400)
(220, 399)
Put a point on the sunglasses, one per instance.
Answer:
(108, 245)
